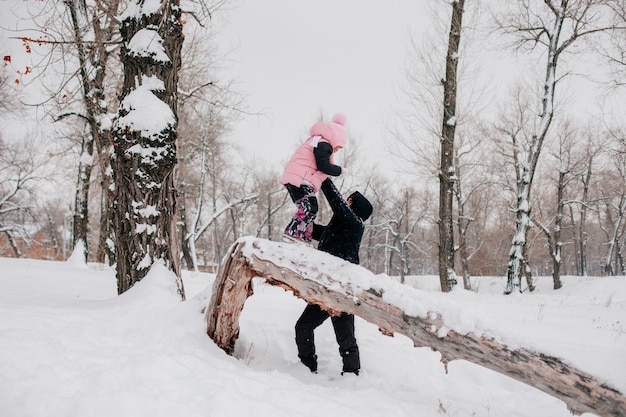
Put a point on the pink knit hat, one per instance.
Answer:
(334, 132)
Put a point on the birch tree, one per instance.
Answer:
(145, 133)
(554, 26)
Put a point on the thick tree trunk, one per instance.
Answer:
(447, 173)
(93, 57)
(145, 156)
(249, 258)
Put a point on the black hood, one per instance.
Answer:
(361, 205)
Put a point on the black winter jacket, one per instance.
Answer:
(342, 236)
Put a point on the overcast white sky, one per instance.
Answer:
(296, 60)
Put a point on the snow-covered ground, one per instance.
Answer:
(70, 347)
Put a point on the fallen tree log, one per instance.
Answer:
(324, 280)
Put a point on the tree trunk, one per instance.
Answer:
(92, 57)
(107, 239)
(303, 274)
(447, 175)
(13, 244)
(80, 226)
(582, 233)
(575, 241)
(463, 223)
(614, 236)
(619, 257)
(464, 255)
(145, 156)
(184, 232)
(558, 244)
(517, 259)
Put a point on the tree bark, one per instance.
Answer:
(528, 166)
(106, 239)
(447, 174)
(144, 160)
(463, 224)
(92, 58)
(247, 259)
(80, 223)
(184, 231)
(558, 227)
(582, 233)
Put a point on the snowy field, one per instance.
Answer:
(70, 347)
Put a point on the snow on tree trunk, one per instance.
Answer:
(558, 244)
(583, 236)
(306, 273)
(553, 238)
(80, 218)
(447, 175)
(529, 164)
(77, 258)
(615, 236)
(145, 142)
(93, 30)
(106, 241)
(463, 223)
(81, 24)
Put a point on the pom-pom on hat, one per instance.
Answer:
(334, 132)
(340, 119)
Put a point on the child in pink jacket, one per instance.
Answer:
(310, 165)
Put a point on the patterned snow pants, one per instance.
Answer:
(301, 225)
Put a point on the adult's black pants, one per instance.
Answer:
(311, 318)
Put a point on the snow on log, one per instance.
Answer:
(339, 286)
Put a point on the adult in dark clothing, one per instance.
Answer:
(342, 238)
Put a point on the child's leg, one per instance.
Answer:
(301, 225)
(307, 211)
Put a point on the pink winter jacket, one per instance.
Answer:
(302, 165)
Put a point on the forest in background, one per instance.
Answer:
(53, 175)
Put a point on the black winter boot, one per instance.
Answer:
(355, 372)
(310, 362)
